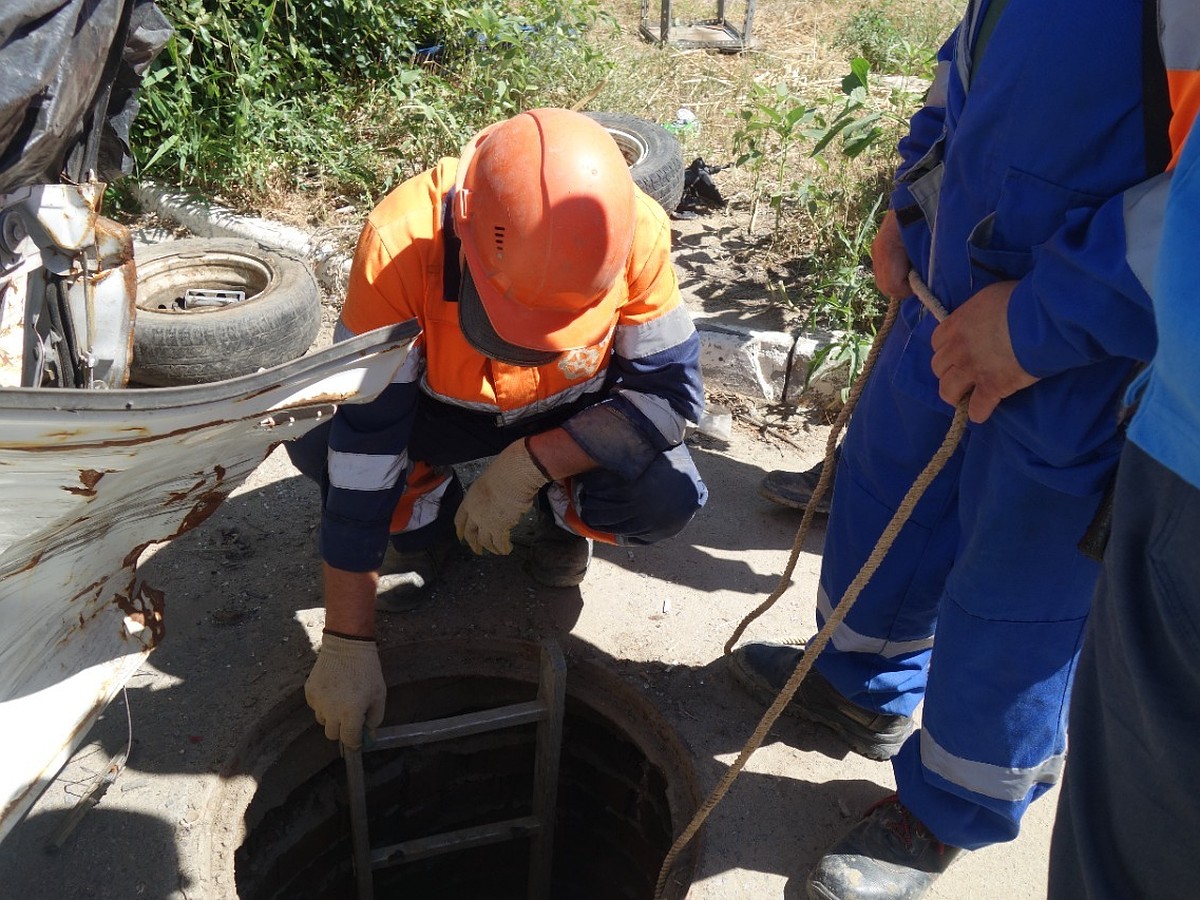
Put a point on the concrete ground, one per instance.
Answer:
(243, 612)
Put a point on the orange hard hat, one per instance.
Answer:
(544, 207)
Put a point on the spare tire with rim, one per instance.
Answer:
(212, 309)
(653, 153)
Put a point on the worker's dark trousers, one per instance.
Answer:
(652, 507)
(989, 564)
(1128, 821)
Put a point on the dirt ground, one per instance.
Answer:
(243, 613)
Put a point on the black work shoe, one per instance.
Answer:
(765, 668)
(554, 556)
(405, 579)
(795, 489)
(888, 855)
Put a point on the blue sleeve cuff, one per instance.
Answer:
(1040, 348)
(353, 546)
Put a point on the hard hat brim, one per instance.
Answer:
(530, 329)
(477, 328)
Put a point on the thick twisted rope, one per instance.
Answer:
(818, 643)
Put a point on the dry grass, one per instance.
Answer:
(806, 48)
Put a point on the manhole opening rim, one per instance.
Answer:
(596, 686)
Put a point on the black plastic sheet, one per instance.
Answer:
(69, 74)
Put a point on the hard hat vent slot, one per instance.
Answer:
(498, 237)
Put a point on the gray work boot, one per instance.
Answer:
(554, 556)
(888, 855)
(765, 668)
(795, 489)
(405, 578)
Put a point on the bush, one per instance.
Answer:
(323, 93)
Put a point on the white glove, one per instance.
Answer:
(346, 688)
(498, 498)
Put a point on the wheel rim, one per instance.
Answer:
(632, 147)
(163, 282)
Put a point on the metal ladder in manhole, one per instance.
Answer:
(546, 711)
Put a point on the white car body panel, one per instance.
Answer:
(90, 479)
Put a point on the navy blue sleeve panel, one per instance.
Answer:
(654, 399)
(672, 374)
(368, 463)
(381, 426)
(1086, 298)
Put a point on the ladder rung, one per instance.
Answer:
(462, 839)
(458, 726)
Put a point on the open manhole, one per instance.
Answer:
(278, 824)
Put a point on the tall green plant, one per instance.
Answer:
(846, 302)
(772, 122)
(839, 205)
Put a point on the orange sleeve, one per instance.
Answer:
(653, 288)
(374, 295)
(399, 254)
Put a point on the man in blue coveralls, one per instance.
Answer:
(1027, 200)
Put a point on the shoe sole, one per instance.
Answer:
(402, 597)
(555, 580)
(790, 502)
(872, 750)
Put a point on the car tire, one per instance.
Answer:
(653, 153)
(178, 341)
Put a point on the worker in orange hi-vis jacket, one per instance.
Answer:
(553, 338)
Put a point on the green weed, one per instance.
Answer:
(890, 41)
(837, 201)
(325, 94)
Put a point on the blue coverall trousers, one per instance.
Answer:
(988, 564)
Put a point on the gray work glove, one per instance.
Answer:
(346, 689)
